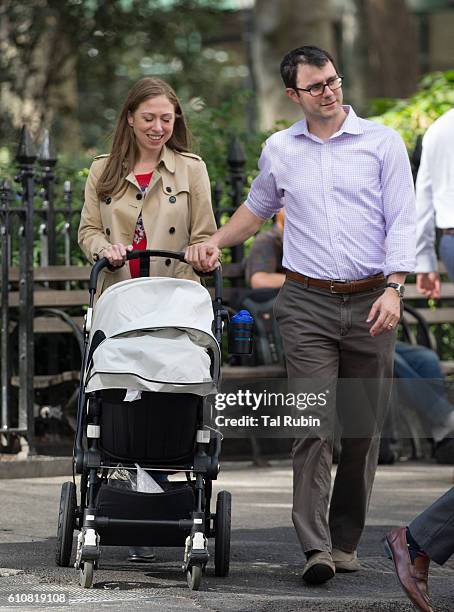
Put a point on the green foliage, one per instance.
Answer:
(104, 47)
(413, 116)
(213, 130)
(215, 127)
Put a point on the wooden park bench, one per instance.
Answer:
(61, 311)
(53, 305)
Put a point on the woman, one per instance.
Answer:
(150, 192)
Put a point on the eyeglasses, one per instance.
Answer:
(319, 88)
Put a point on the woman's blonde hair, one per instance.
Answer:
(124, 152)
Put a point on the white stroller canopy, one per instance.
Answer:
(157, 333)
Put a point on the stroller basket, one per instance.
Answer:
(123, 504)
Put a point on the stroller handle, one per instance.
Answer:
(179, 255)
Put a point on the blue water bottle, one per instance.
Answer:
(240, 333)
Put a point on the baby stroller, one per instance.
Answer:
(155, 341)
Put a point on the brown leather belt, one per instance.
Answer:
(447, 230)
(338, 286)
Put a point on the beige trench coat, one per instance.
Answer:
(176, 211)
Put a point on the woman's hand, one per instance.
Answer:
(116, 254)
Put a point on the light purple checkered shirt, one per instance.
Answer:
(349, 201)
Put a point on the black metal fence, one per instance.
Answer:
(38, 230)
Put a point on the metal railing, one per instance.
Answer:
(38, 229)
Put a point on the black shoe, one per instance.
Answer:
(141, 554)
(387, 453)
(444, 451)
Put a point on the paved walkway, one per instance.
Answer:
(266, 560)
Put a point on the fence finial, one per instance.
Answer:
(26, 153)
(236, 157)
(47, 155)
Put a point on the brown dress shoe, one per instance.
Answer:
(412, 576)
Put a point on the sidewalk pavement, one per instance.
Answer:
(12, 466)
(266, 561)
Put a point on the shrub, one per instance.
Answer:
(413, 116)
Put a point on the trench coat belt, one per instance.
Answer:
(338, 286)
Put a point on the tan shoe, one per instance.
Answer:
(319, 568)
(346, 562)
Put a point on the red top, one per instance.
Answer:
(139, 241)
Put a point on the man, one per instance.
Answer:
(430, 536)
(346, 187)
(412, 364)
(434, 204)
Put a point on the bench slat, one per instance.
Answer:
(42, 381)
(447, 291)
(262, 371)
(82, 273)
(53, 298)
(55, 273)
(54, 325)
(228, 373)
(437, 316)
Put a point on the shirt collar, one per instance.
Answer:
(351, 125)
(166, 157)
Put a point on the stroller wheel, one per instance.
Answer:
(222, 524)
(66, 524)
(86, 574)
(194, 577)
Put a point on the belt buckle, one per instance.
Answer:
(332, 282)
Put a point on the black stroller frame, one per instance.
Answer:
(100, 514)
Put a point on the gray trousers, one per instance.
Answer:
(433, 529)
(326, 337)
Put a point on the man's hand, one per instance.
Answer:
(428, 283)
(116, 254)
(385, 311)
(204, 256)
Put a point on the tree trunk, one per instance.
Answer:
(354, 53)
(393, 52)
(282, 25)
(38, 66)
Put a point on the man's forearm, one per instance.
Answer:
(397, 277)
(265, 280)
(239, 228)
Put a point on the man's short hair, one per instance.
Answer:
(314, 56)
